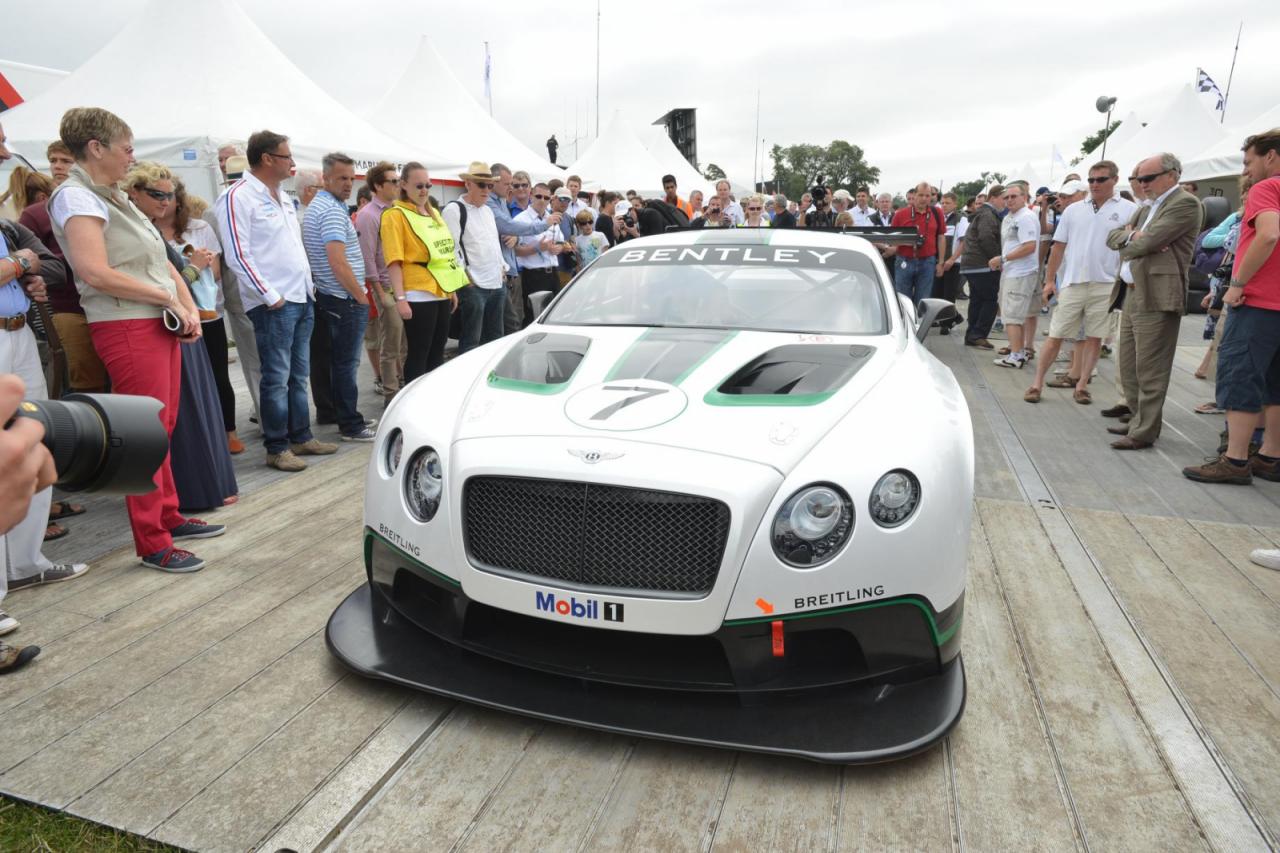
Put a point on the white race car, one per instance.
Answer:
(718, 493)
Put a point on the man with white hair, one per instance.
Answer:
(730, 209)
(1157, 243)
(782, 217)
(1088, 272)
(882, 217)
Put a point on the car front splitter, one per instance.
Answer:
(851, 725)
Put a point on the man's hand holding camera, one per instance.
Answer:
(26, 466)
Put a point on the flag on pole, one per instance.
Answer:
(1059, 160)
(488, 76)
(9, 97)
(1204, 83)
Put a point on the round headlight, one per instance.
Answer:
(392, 451)
(812, 526)
(895, 496)
(424, 484)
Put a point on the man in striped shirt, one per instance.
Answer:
(265, 250)
(333, 250)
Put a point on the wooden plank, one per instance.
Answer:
(1007, 791)
(246, 803)
(1244, 720)
(667, 798)
(118, 579)
(905, 805)
(327, 813)
(1235, 542)
(1117, 779)
(84, 757)
(779, 804)
(1246, 617)
(135, 622)
(444, 784)
(156, 783)
(60, 709)
(553, 795)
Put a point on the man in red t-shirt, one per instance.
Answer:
(1249, 355)
(915, 267)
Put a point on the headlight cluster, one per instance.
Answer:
(895, 497)
(814, 523)
(424, 484)
(812, 526)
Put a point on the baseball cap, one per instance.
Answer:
(844, 194)
(563, 192)
(1073, 187)
(1042, 191)
(623, 207)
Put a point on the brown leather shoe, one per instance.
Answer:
(1265, 470)
(1116, 411)
(980, 343)
(13, 658)
(1127, 443)
(1118, 430)
(1218, 469)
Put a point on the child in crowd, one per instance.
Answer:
(588, 243)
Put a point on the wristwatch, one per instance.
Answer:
(22, 262)
(1235, 282)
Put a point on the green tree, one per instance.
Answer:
(964, 189)
(1093, 140)
(713, 172)
(841, 165)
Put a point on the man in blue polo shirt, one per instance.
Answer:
(333, 250)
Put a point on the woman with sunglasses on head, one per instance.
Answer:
(126, 284)
(198, 451)
(424, 269)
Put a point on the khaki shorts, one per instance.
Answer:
(373, 332)
(1085, 302)
(1018, 298)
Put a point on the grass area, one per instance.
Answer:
(25, 827)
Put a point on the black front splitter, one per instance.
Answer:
(852, 725)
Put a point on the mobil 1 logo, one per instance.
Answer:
(574, 608)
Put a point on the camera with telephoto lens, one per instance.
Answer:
(629, 221)
(817, 192)
(1051, 199)
(101, 442)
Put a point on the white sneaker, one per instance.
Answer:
(365, 435)
(1013, 359)
(1268, 558)
(7, 623)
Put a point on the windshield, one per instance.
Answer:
(749, 287)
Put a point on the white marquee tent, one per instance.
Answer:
(1185, 128)
(1224, 159)
(617, 160)
(181, 125)
(455, 125)
(30, 80)
(673, 163)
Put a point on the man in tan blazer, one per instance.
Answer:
(1156, 244)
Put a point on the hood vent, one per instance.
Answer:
(798, 374)
(542, 363)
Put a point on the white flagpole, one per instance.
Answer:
(488, 74)
(1232, 73)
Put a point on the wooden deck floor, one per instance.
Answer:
(1123, 657)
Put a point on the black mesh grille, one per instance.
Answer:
(595, 536)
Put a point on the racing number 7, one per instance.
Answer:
(641, 394)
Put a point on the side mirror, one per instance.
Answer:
(539, 300)
(933, 311)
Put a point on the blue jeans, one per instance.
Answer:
(284, 348)
(346, 320)
(482, 309)
(913, 277)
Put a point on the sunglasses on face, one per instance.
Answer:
(428, 185)
(1100, 180)
(754, 209)
(288, 157)
(1146, 179)
(484, 185)
(158, 195)
(519, 186)
(541, 197)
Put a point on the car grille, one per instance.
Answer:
(592, 535)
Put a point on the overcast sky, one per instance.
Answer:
(929, 90)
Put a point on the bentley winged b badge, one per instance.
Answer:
(591, 457)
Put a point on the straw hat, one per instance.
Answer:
(478, 171)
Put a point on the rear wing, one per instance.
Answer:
(907, 236)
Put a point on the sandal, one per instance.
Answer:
(64, 509)
(1083, 397)
(55, 531)
(1032, 395)
(1062, 382)
(1200, 374)
(1208, 409)
(1003, 351)
(1030, 353)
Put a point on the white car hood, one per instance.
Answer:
(648, 385)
